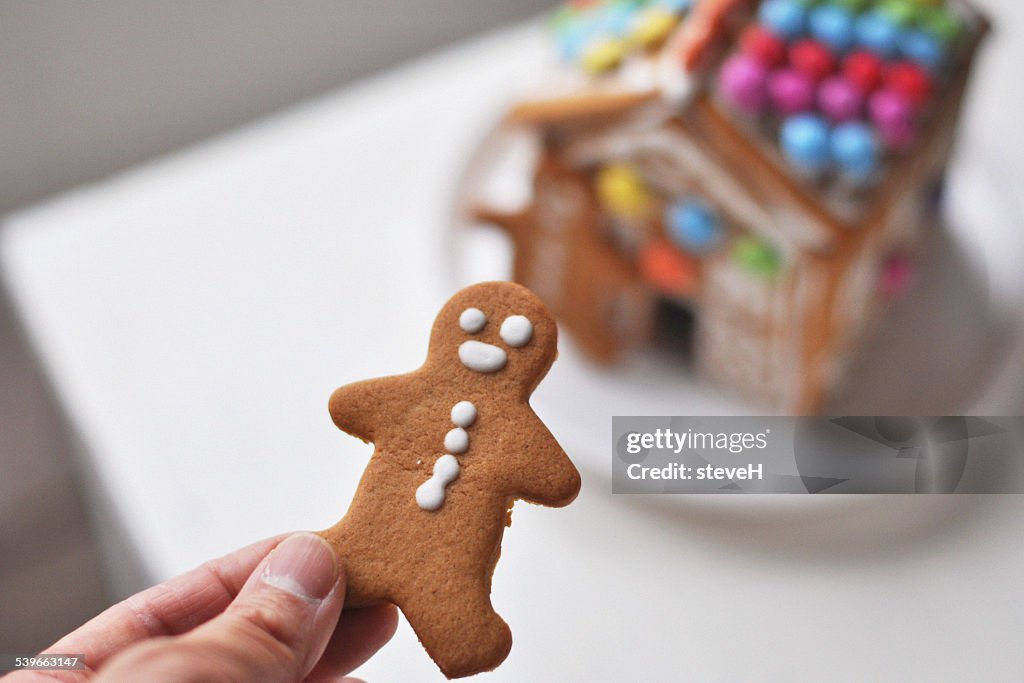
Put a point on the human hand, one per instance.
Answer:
(268, 612)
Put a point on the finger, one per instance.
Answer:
(169, 608)
(275, 630)
(359, 634)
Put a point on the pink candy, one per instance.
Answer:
(840, 99)
(897, 276)
(790, 91)
(742, 82)
(893, 114)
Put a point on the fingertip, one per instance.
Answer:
(305, 565)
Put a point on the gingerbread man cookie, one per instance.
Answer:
(456, 443)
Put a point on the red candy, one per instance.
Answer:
(763, 45)
(812, 59)
(669, 269)
(863, 69)
(909, 80)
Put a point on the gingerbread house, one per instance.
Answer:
(762, 170)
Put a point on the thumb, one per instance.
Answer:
(275, 630)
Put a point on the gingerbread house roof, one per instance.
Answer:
(840, 105)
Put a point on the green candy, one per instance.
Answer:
(561, 18)
(942, 24)
(900, 11)
(855, 6)
(756, 256)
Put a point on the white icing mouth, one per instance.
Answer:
(481, 357)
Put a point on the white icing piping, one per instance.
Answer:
(430, 494)
(482, 357)
(456, 441)
(463, 414)
(517, 330)
(472, 320)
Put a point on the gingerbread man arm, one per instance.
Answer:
(360, 409)
(551, 479)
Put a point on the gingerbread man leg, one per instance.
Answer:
(458, 627)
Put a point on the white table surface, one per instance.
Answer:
(194, 315)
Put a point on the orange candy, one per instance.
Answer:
(668, 269)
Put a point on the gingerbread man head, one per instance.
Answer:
(498, 334)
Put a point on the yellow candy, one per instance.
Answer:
(603, 55)
(623, 192)
(652, 27)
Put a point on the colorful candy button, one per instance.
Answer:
(805, 142)
(877, 32)
(833, 26)
(652, 26)
(623, 192)
(941, 23)
(922, 47)
(893, 114)
(615, 18)
(855, 149)
(742, 83)
(910, 80)
(897, 276)
(853, 6)
(812, 59)
(785, 18)
(669, 269)
(790, 91)
(840, 99)
(901, 12)
(677, 6)
(693, 225)
(763, 45)
(573, 39)
(756, 256)
(863, 69)
(603, 54)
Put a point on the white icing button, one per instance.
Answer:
(464, 413)
(482, 357)
(430, 494)
(456, 441)
(517, 330)
(472, 320)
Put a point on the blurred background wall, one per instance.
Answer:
(90, 87)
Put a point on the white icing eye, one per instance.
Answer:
(477, 355)
(517, 330)
(472, 320)
(463, 414)
(456, 441)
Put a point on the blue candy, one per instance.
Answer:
(922, 47)
(833, 26)
(784, 18)
(692, 225)
(805, 142)
(616, 18)
(877, 32)
(677, 6)
(574, 38)
(855, 148)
